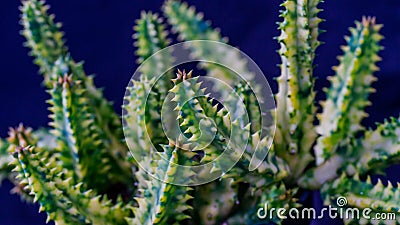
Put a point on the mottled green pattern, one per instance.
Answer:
(295, 133)
(381, 147)
(347, 97)
(364, 194)
(5, 158)
(190, 26)
(160, 202)
(45, 40)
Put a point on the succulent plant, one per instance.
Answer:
(81, 171)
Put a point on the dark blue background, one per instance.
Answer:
(99, 32)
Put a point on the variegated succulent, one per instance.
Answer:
(80, 171)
